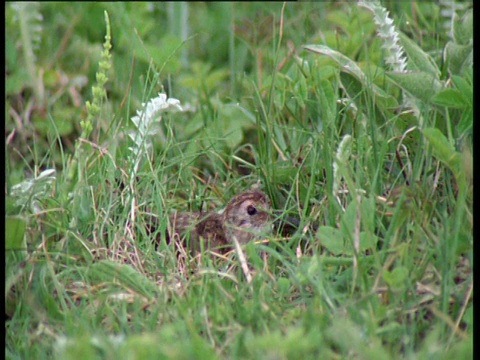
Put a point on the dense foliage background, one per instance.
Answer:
(356, 118)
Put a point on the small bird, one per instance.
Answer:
(246, 217)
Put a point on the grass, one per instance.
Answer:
(382, 263)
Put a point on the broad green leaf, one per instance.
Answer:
(352, 86)
(376, 75)
(347, 223)
(344, 62)
(443, 150)
(332, 239)
(418, 59)
(16, 82)
(396, 279)
(468, 318)
(368, 241)
(284, 173)
(418, 84)
(324, 70)
(11, 206)
(463, 29)
(214, 78)
(232, 120)
(368, 214)
(408, 125)
(61, 123)
(451, 98)
(465, 86)
(14, 233)
(466, 122)
(11, 58)
(166, 57)
(193, 127)
(458, 57)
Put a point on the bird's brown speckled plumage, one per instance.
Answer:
(246, 216)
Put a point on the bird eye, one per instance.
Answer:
(251, 210)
